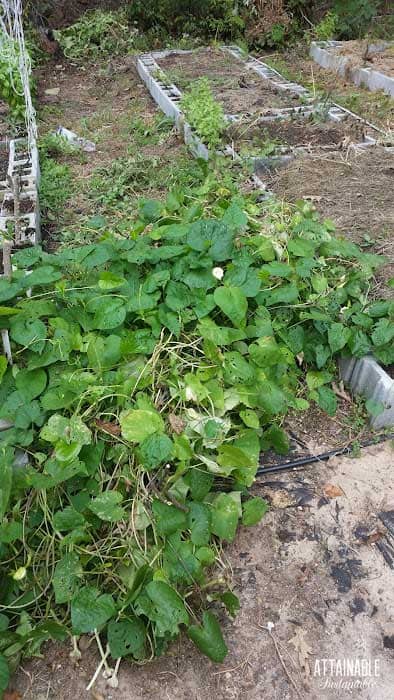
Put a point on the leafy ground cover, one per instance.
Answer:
(149, 373)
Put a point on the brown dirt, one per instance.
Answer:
(312, 568)
(26, 205)
(354, 190)
(62, 13)
(237, 89)
(298, 132)
(361, 56)
(4, 160)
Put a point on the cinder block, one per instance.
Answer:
(372, 79)
(367, 378)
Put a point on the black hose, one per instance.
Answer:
(304, 461)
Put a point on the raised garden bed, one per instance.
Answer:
(261, 136)
(369, 65)
(235, 85)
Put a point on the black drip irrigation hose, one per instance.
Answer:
(323, 457)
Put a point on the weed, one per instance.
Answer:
(204, 114)
(96, 34)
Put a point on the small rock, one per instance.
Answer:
(52, 91)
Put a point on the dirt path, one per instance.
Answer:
(313, 569)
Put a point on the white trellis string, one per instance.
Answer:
(12, 43)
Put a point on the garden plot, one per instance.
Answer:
(366, 64)
(264, 137)
(354, 190)
(235, 85)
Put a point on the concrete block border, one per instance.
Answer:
(323, 53)
(367, 378)
(28, 170)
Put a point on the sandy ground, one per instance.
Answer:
(313, 585)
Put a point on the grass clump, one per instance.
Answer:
(204, 114)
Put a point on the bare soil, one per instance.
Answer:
(4, 160)
(238, 90)
(304, 132)
(362, 56)
(354, 189)
(313, 584)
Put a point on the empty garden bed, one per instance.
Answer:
(238, 89)
(263, 137)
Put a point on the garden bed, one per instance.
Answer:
(237, 88)
(369, 65)
(259, 136)
(354, 190)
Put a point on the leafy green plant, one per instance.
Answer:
(204, 113)
(354, 17)
(11, 90)
(56, 180)
(149, 372)
(219, 18)
(327, 27)
(96, 34)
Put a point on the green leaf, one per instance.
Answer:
(225, 517)
(232, 301)
(276, 437)
(199, 522)
(316, 379)
(253, 511)
(168, 519)
(90, 610)
(200, 483)
(66, 577)
(31, 383)
(6, 461)
(126, 638)
(212, 237)
(3, 366)
(327, 400)
(29, 333)
(168, 610)
(231, 602)
(155, 450)
(67, 519)
(177, 296)
(106, 506)
(383, 332)
(250, 418)
(108, 281)
(109, 313)
(208, 638)
(338, 336)
(4, 673)
(138, 424)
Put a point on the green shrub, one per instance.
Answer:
(200, 18)
(354, 17)
(327, 27)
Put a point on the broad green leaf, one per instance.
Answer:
(28, 333)
(6, 461)
(3, 366)
(4, 673)
(138, 424)
(225, 517)
(31, 384)
(110, 313)
(199, 522)
(168, 610)
(253, 510)
(155, 450)
(90, 610)
(208, 638)
(106, 506)
(231, 602)
(316, 379)
(168, 518)
(250, 418)
(126, 637)
(338, 335)
(177, 296)
(383, 332)
(200, 483)
(276, 437)
(67, 577)
(232, 301)
(212, 237)
(11, 532)
(327, 400)
(108, 281)
(67, 519)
